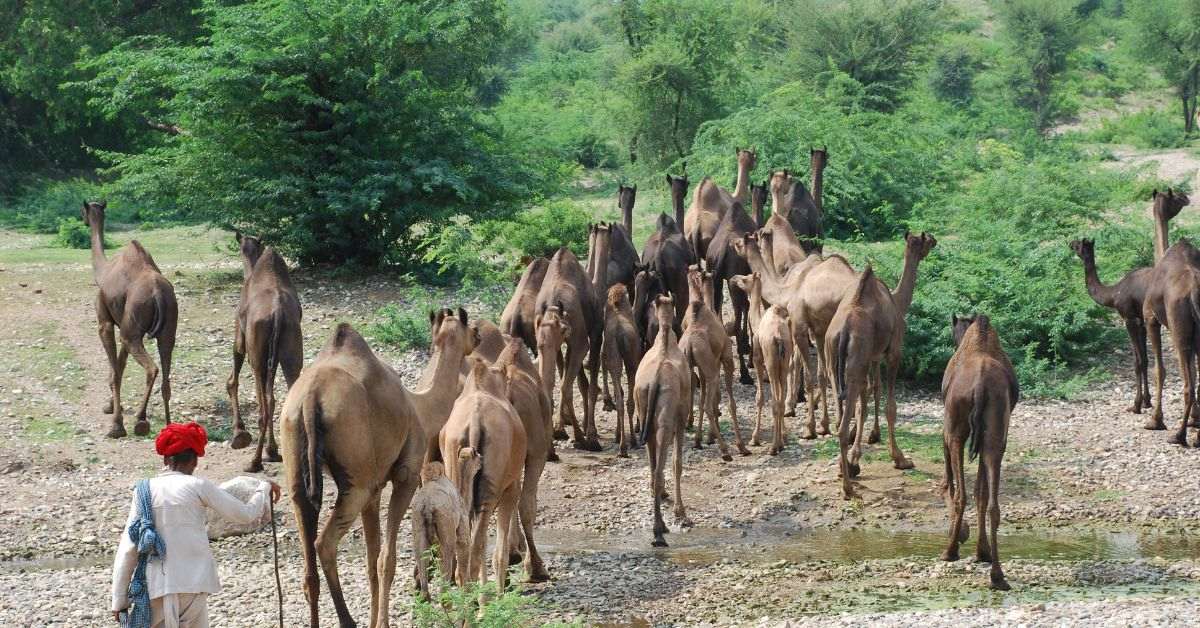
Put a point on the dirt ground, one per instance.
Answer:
(1098, 514)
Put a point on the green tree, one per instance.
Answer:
(1039, 35)
(878, 43)
(330, 127)
(1167, 35)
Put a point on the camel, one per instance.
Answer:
(724, 261)
(518, 316)
(784, 247)
(350, 413)
(623, 257)
(678, 186)
(980, 391)
(1173, 299)
(484, 444)
(647, 287)
(622, 351)
(526, 393)
(667, 254)
(267, 331)
(705, 344)
(439, 518)
(791, 201)
(662, 395)
(710, 202)
(1126, 297)
(577, 320)
(773, 357)
(1167, 205)
(758, 200)
(135, 298)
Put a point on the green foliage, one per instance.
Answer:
(330, 127)
(459, 607)
(42, 205)
(490, 251)
(404, 325)
(953, 74)
(1167, 35)
(1039, 35)
(1149, 128)
(73, 234)
(878, 43)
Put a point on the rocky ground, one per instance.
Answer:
(1098, 513)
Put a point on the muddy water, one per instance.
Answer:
(767, 544)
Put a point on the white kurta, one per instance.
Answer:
(179, 518)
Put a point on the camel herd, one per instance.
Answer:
(474, 435)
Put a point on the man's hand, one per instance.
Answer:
(117, 616)
(276, 492)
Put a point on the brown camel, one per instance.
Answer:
(710, 202)
(267, 331)
(758, 199)
(483, 443)
(439, 518)
(773, 357)
(134, 298)
(579, 298)
(350, 413)
(668, 255)
(705, 344)
(1173, 299)
(1167, 205)
(786, 250)
(622, 256)
(679, 187)
(622, 351)
(724, 262)
(980, 391)
(1126, 297)
(519, 314)
(490, 344)
(793, 203)
(662, 395)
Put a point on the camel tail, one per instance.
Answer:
(975, 438)
(311, 433)
(839, 362)
(469, 466)
(273, 345)
(651, 412)
(1194, 302)
(160, 316)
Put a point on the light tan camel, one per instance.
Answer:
(134, 297)
(350, 413)
(579, 323)
(706, 345)
(483, 443)
(785, 248)
(622, 350)
(662, 395)
(773, 358)
(267, 332)
(519, 314)
(980, 391)
(439, 518)
(1173, 299)
(710, 202)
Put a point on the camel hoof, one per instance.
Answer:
(683, 521)
(808, 434)
(774, 451)
(117, 431)
(1179, 438)
(1134, 409)
(1196, 443)
(1194, 422)
(790, 413)
(743, 451)
(1154, 423)
(873, 437)
(727, 457)
(904, 464)
(552, 456)
(999, 584)
(560, 434)
(949, 556)
(108, 407)
(755, 441)
(539, 576)
(855, 469)
(587, 445)
(659, 542)
(273, 456)
(624, 453)
(141, 428)
(241, 440)
(515, 558)
(255, 466)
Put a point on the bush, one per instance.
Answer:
(404, 325)
(458, 607)
(953, 74)
(1150, 128)
(73, 234)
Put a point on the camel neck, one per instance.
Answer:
(627, 219)
(1160, 234)
(741, 191)
(756, 205)
(600, 270)
(99, 262)
(677, 205)
(756, 304)
(903, 294)
(248, 266)
(434, 402)
(818, 180)
(1100, 293)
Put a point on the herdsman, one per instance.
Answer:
(167, 583)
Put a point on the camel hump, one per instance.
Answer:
(983, 324)
(345, 337)
(864, 280)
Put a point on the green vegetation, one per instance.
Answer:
(459, 607)
(404, 325)
(1167, 35)
(1149, 128)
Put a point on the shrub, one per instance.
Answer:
(953, 74)
(73, 234)
(404, 325)
(1150, 128)
(458, 607)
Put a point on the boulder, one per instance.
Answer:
(243, 488)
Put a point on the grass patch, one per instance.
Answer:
(404, 325)
(914, 445)
(47, 429)
(1108, 495)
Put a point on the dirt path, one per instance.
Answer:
(1093, 506)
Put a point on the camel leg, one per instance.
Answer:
(737, 431)
(823, 379)
(306, 513)
(535, 570)
(116, 362)
(1143, 373)
(760, 382)
(807, 374)
(166, 347)
(589, 406)
(680, 512)
(138, 351)
(477, 570)
(566, 404)
(404, 484)
(656, 479)
(1132, 326)
(370, 527)
(858, 433)
(960, 501)
(948, 487)
(1154, 331)
(264, 427)
(1187, 372)
(778, 392)
(998, 581)
(630, 373)
(505, 513)
(875, 384)
(741, 324)
(241, 438)
(898, 459)
(697, 410)
(846, 415)
(351, 501)
(420, 537)
(619, 401)
(605, 395)
(712, 398)
(983, 550)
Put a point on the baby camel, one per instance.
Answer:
(662, 394)
(979, 390)
(773, 350)
(622, 352)
(439, 518)
(484, 444)
(706, 345)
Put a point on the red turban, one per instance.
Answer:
(179, 437)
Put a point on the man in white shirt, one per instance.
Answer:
(180, 583)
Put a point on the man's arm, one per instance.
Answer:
(232, 508)
(125, 562)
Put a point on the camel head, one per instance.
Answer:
(664, 311)
(618, 297)
(551, 328)
(700, 282)
(432, 472)
(960, 326)
(746, 159)
(819, 157)
(250, 247)
(781, 185)
(486, 378)
(744, 282)
(1168, 204)
(678, 185)
(1085, 249)
(919, 244)
(626, 196)
(93, 212)
(450, 334)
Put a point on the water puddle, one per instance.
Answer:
(772, 543)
